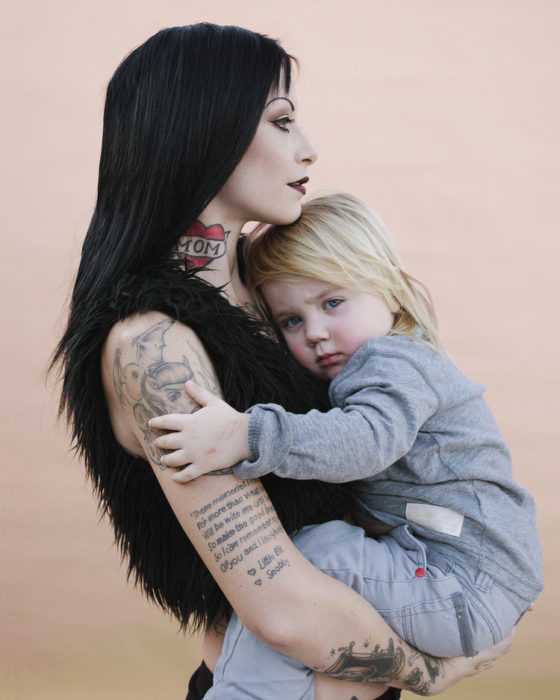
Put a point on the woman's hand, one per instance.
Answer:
(211, 439)
(455, 669)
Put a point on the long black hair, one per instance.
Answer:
(180, 112)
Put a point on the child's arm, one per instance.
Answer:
(210, 440)
(380, 405)
(376, 425)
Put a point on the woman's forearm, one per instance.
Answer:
(285, 601)
(293, 607)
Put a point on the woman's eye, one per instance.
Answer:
(332, 303)
(282, 122)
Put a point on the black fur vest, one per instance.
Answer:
(251, 368)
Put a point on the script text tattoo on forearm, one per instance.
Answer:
(238, 524)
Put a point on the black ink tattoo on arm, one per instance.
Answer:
(240, 527)
(152, 386)
(384, 665)
(375, 666)
(220, 472)
(238, 524)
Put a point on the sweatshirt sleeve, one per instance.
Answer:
(382, 400)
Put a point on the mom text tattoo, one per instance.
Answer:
(201, 245)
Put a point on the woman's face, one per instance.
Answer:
(268, 183)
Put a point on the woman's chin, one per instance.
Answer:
(286, 217)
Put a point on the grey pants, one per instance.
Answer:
(439, 606)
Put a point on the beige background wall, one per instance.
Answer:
(443, 114)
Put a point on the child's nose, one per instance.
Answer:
(316, 332)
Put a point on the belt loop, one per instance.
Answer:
(419, 548)
(442, 562)
(483, 581)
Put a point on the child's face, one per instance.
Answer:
(324, 325)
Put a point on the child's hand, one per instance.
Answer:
(211, 439)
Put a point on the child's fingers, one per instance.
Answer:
(170, 441)
(202, 396)
(172, 421)
(175, 459)
(187, 474)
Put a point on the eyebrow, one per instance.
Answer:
(325, 291)
(315, 297)
(280, 97)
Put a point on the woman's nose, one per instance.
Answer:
(306, 152)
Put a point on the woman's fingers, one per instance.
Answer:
(462, 666)
(487, 658)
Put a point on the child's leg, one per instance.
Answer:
(421, 599)
(437, 605)
(247, 668)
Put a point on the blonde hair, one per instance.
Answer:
(339, 239)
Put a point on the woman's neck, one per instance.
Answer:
(211, 249)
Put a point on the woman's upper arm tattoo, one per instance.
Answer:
(151, 384)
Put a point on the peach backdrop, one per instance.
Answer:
(444, 116)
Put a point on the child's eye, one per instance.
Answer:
(290, 322)
(282, 122)
(332, 303)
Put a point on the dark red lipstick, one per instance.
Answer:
(299, 184)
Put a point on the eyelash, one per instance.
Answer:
(282, 122)
(286, 322)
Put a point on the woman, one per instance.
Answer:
(199, 138)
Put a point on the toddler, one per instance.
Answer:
(456, 560)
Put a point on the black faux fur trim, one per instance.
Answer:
(251, 367)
